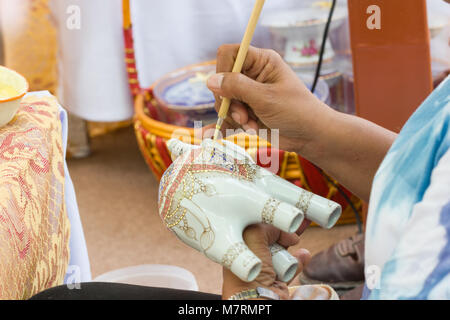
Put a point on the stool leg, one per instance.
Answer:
(78, 144)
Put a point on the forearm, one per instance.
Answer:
(350, 149)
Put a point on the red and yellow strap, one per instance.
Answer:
(130, 57)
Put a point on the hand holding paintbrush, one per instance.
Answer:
(242, 54)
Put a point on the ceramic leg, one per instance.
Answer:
(227, 247)
(281, 215)
(284, 264)
(322, 211)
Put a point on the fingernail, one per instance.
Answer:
(236, 117)
(215, 81)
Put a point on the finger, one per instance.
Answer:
(239, 112)
(305, 224)
(258, 237)
(254, 62)
(303, 256)
(284, 264)
(251, 126)
(209, 130)
(243, 118)
(288, 239)
(322, 211)
(238, 87)
(226, 56)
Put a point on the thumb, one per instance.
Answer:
(237, 86)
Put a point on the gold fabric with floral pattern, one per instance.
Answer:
(34, 227)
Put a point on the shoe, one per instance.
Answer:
(354, 294)
(341, 266)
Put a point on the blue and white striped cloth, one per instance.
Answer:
(408, 228)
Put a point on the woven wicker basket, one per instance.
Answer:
(152, 135)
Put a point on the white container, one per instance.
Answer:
(302, 31)
(152, 275)
(13, 87)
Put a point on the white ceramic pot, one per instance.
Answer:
(303, 31)
(13, 87)
(152, 275)
(212, 192)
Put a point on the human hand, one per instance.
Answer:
(259, 238)
(267, 94)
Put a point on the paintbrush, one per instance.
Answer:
(239, 63)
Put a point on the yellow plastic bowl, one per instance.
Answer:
(13, 87)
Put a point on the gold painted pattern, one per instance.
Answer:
(190, 184)
(269, 209)
(304, 201)
(275, 248)
(233, 253)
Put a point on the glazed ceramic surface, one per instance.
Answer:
(303, 31)
(212, 192)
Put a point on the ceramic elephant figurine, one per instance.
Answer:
(212, 192)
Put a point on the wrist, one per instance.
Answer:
(232, 285)
(257, 293)
(228, 292)
(324, 122)
(312, 128)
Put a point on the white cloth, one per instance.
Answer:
(79, 266)
(79, 269)
(169, 34)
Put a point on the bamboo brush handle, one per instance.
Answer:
(243, 50)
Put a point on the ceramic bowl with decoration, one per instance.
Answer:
(302, 31)
(13, 87)
(184, 97)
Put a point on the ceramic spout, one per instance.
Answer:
(241, 261)
(284, 264)
(320, 210)
(286, 218)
